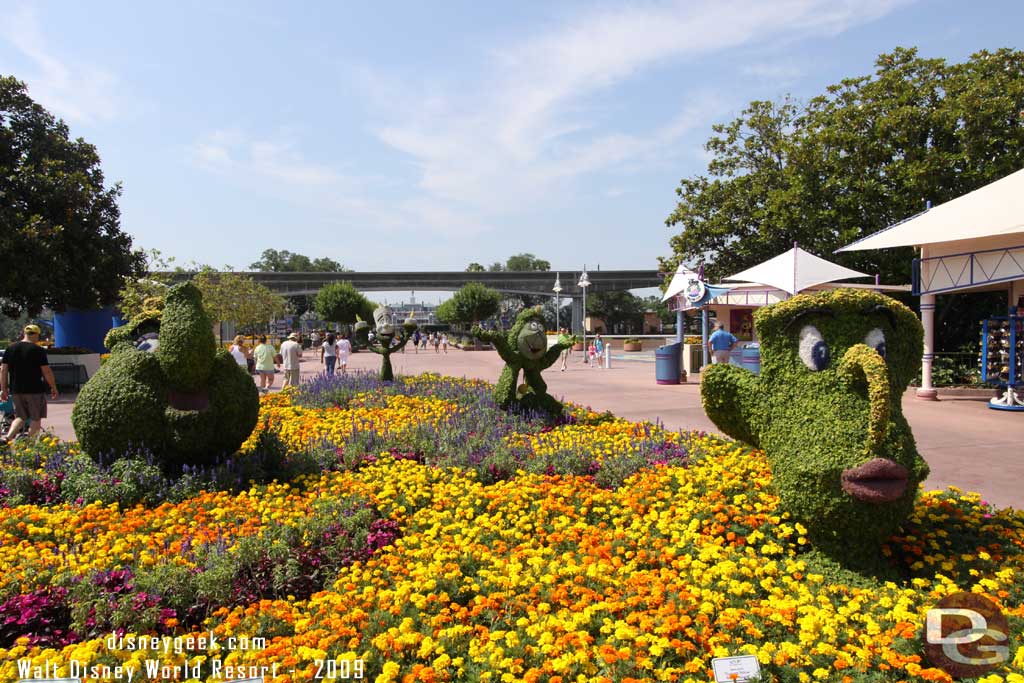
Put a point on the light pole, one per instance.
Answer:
(557, 289)
(584, 283)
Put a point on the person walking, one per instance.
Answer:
(592, 353)
(437, 342)
(264, 356)
(563, 338)
(444, 343)
(344, 347)
(721, 343)
(291, 354)
(329, 354)
(240, 352)
(22, 374)
(424, 340)
(599, 348)
(416, 341)
(314, 341)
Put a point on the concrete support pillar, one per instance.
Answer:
(926, 391)
(679, 325)
(577, 315)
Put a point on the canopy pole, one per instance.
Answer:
(926, 392)
(795, 254)
(704, 334)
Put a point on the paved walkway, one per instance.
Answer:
(966, 444)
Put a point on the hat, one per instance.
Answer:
(293, 335)
(31, 329)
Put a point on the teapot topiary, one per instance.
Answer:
(826, 410)
(188, 402)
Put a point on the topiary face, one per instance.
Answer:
(826, 410)
(532, 340)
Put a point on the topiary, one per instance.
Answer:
(525, 348)
(826, 410)
(188, 402)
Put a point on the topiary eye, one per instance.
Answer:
(813, 349)
(876, 340)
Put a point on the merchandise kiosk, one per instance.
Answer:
(1002, 353)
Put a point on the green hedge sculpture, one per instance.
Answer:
(525, 348)
(188, 402)
(826, 410)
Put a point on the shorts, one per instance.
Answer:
(29, 406)
(720, 356)
(292, 378)
(266, 372)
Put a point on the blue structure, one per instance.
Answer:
(82, 328)
(1002, 349)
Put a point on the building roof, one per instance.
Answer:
(995, 209)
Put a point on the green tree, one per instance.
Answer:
(274, 261)
(526, 262)
(865, 154)
(237, 298)
(151, 286)
(340, 302)
(617, 309)
(62, 244)
(475, 268)
(471, 304)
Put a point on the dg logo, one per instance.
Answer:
(966, 635)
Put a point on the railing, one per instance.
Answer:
(937, 274)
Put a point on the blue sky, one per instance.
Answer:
(426, 135)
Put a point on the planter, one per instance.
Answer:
(578, 346)
(633, 346)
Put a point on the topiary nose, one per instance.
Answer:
(862, 367)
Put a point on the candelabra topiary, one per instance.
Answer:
(826, 410)
(525, 348)
(385, 335)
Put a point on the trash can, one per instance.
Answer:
(751, 357)
(667, 362)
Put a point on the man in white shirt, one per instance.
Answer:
(291, 352)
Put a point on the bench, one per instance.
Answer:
(69, 375)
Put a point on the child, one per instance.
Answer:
(592, 355)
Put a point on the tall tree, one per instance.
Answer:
(237, 298)
(340, 302)
(61, 243)
(617, 309)
(274, 261)
(526, 262)
(865, 154)
(475, 268)
(471, 304)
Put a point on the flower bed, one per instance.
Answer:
(442, 540)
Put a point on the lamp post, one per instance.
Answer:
(584, 283)
(557, 289)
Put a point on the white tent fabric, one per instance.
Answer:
(795, 271)
(995, 209)
(679, 281)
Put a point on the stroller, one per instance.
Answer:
(7, 417)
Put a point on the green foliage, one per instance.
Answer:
(865, 154)
(819, 414)
(274, 261)
(471, 304)
(188, 402)
(617, 308)
(237, 298)
(475, 268)
(526, 262)
(340, 302)
(524, 348)
(62, 242)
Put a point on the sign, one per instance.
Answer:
(966, 635)
(736, 669)
(694, 291)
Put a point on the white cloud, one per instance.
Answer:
(529, 126)
(254, 162)
(775, 72)
(77, 91)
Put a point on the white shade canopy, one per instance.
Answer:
(678, 282)
(995, 209)
(795, 271)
